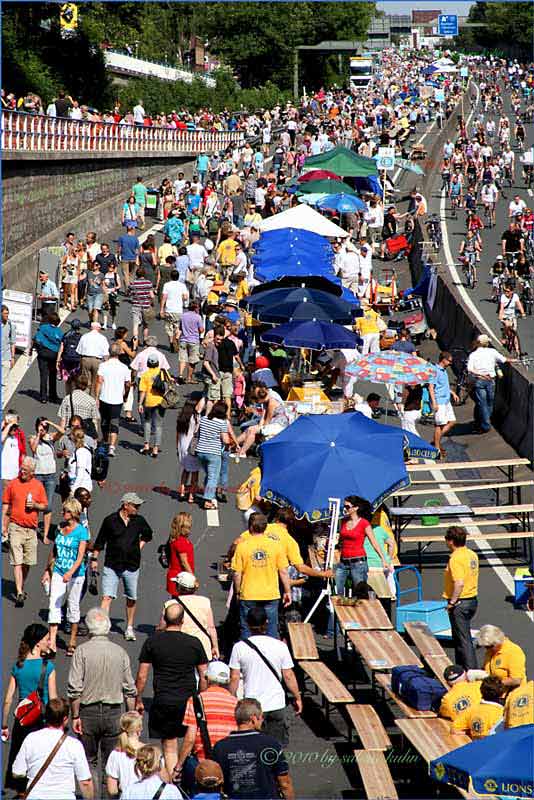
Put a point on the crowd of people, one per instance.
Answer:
(219, 692)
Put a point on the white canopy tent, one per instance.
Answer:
(305, 218)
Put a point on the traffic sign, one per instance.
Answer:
(464, 72)
(386, 158)
(448, 25)
(439, 95)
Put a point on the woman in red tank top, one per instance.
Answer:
(355, 528)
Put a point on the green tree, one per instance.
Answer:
(508, 27)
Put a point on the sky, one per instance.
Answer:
(405, 6)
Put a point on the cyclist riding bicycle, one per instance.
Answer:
(512, 243)
(470, 252)
(520, 135)
(489, 196)
(455, 194)
(510, 307)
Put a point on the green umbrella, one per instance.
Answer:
(403, 163)
(344, 162)
(326, 186)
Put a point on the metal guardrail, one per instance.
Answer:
(27, 133)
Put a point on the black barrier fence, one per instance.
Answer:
(513, 415)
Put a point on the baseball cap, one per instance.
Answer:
(453, 672)
(209, 774)
(218, 671)
(186, 580)
(483, 339)
(133, 498)
(152, 361)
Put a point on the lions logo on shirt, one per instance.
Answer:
(461, 704)
(259, 555)
(522, 701)
(473, 564)
(476, 725)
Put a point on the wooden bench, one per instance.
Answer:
(302, 640)
(384, 681)
(368, 726)
(432, 738)
(376, 777)
(508, 464)
(463, 488)
(382, 650)
(431, 650)
(331, 689)
(365, 615)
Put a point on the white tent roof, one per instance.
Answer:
(305, 218)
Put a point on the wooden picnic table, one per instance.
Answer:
(367, 615)
(431, 738)
(376, 578)
(383, 680)
(376, 776)
(505, 465)
(302, 640)
(431, 650)
(403, 515)
(383, 650)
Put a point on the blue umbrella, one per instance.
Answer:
(313, 335)
(344, 203)
(330, 284)
(283, 305)
(333, 455)
(501, 765)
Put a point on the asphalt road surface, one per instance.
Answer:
(321, 763)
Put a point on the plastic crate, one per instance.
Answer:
(523, 582)
(432, 612)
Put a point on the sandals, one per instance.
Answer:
(190, 498)
(145, 451)
(209, 506)
(70, 650)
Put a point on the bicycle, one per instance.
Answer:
(507, 177)
(459, 367)
(510, 339)
(433, 227)
(527, 296)
(468, 263)
(455, 205)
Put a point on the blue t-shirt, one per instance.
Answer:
(49, 336)
(442, 389)
(202, 163)
(27, 677)
(66, 547)
(192, 202)
(174, 229)
(129, 247)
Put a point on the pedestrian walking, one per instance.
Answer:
(150, 776)
(24, 497)
(482, 366)
(460, 591)
(120, 766)
(177, 660)
(113, 382)
(47, 341)
(92, 348)
(151, 408)
(440, 396)
(9, 340)
(122, 535)
(266, 666)
(100, 680)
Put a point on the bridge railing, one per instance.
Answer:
(40, 134)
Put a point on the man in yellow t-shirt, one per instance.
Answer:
(503, 659)
(461, 590)
(369, 329)
(259, 566)
(150, 407)
(227, 251)
(519, 706)
(482, 720)
(462, 696)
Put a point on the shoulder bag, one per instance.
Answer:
(30, 710)
(265, 660)
(195, 620)
(159, 791)
(160, 382)
(45, 766)
(202, 725)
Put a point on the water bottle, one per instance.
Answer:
(29, 499)
(348, 586)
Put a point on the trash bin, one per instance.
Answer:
(431, 519)
(152, 198)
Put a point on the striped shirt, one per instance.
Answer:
(209, 435)
(140, 290)
(219, 710)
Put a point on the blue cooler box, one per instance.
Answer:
(522, 592)
(432, 612)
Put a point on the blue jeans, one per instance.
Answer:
(358, 571)
(271, 609)
(223, 475)
(484, 392)
(49, 483)
(211, 463)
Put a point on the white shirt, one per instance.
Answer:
(69, 762)
(197, 253)
(76, 113)
(179, 184)
(174, 292)
(483, 361)
(508, 305)
(516, 208)
(79, 469)
(139, 113)
(10, 458)
(259, 681)
(259, 197)
(349, 266)
(121, 767)
(94, 250)
(93, 344)
(489, 193)
(365, 409)
(148, 788)
(115, 375)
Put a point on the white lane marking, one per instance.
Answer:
(452, 266)
(25, 361)
(212, 516)
(491, 556)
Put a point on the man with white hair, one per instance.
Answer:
(209, 717)
(482, 369)
(23, 499)
(93, 348)
(100, 679)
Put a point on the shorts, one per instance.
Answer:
(95, 302)
(444, 414)
(165, 721)
(22, 545)
(109, 416)
(142, 316)
(189, 351)
(172, 324)
(227, 385)
(110, 583)
(213, 390)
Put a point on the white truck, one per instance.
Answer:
(361, 71)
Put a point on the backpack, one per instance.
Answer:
(100, 465)
(416, 688)
(70, 343)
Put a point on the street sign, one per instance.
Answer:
(386, 158)
(464, 72)
(448, 25)
(20, 306)
(439, 95)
